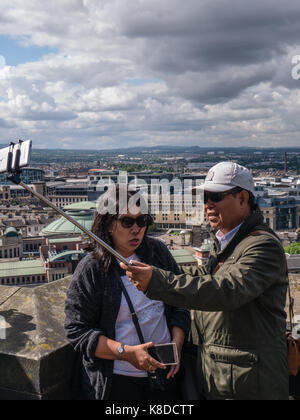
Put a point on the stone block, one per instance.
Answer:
(36, 361)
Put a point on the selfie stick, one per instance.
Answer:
(15, 178)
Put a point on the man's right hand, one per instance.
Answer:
(139, 357)
(139, 274)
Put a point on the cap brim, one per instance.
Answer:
(216, 187)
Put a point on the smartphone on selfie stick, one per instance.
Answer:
(17, 156)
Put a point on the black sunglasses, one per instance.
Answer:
(216, 197)
(142, 221)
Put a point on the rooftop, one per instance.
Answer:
(182, 256)
(66, 255)
(63, 226)
(82, 212)
(65, 240)
(21, 268)
(83, 205)
(11, 231)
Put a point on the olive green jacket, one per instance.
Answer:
(240, 316)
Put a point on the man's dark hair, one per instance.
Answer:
(252, 200)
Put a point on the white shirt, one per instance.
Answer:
(152, 320)
(224, 238)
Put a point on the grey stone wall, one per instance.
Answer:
(36, 362)
(295, 292)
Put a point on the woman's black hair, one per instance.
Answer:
(102, 222)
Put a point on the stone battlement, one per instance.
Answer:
(35, 359)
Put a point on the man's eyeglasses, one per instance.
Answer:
(142, 221)
(216, 197)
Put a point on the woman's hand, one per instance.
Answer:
(139, 357)
(178, 338)
(139, 273)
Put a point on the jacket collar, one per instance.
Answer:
(255, 220)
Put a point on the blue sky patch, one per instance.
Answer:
(15, 53)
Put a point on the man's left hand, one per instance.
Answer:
(139, 273)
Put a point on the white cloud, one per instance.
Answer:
(207, 76)
(2, 62)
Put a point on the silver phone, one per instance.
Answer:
(15, 156)
(164, 353)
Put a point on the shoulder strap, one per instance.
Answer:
(253, 233)
(132, 312)
(220, 263)
(264, 232)
(152, 375)
(291, 300)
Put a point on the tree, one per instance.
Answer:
(293, 248)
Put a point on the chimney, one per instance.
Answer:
(285, 162)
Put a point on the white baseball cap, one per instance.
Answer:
(227, 175)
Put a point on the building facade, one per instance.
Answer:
(11, 244)
(28, 176)
(281, 213)
(31, 261)
(63, 193)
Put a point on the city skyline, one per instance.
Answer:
(87, 74)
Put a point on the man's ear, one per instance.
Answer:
(244, 198)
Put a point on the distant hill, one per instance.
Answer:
(171, 149)
(196, 149)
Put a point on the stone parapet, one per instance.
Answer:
(295, 292)
(36, 360)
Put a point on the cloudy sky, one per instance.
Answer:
(115, 73)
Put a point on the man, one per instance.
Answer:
(239, 296)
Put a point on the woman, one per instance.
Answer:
(112, 363)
